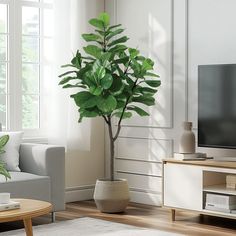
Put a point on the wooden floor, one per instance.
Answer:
(145, 216)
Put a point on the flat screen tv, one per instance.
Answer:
(217, 106)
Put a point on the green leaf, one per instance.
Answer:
(93, 51)
(105, 57)
(152, 75)
(114, 26)
(153, 83)
(97, 23)
(88, 58)
(122, 60)
(106, 82)
(125, 115)
(105, 18)
(89, 79)
(129, 81)
(96, 90)
(3, 170)
(114, 33)
(102, 33)
(107, 105)
(146, 90)
(149, 101)
(67, 73)
(66, 80)
(74, 86)
(91, 37)
(140, 58)
(137, 68)
(118, 48)
(90, 112)
(3, 140)
(133, 52)
(147, 64)
(5, 173)
(100, 72)
(76, 61)
(85, 99)
(117, 86)
(68, 65)
(138, 110)
(82, 72)
(118, 41)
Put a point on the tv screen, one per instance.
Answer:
(217, 106)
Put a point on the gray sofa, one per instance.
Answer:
(42, 175)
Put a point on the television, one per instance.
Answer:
(217, 106)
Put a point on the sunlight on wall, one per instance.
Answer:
(156, 46)
(154, 42)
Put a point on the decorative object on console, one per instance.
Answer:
(111, 81)
(220, 202)
(190, 156)
(231, 181)
(187, 140)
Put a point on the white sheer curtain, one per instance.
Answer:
(63, 126)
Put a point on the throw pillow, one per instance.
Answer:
(11, 155)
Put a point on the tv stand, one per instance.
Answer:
(186, 183)
(225, 159)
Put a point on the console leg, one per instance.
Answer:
(173, 214)
(53, 215)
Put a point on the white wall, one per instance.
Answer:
(178, 35)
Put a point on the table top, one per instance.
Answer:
(210, 163)
(28, 208)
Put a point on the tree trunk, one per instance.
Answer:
(112, 152)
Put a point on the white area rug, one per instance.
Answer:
(88, 227)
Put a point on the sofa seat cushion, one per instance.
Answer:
(26, 185)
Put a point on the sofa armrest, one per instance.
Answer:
(46, 160)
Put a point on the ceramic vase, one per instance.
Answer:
(111, 196)
(187, 140)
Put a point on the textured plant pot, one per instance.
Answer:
(111, 196)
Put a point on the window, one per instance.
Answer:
(25, 63)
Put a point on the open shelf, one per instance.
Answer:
(219, 188)
(219, 213)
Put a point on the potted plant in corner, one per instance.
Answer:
(3, 141)
(113, 80)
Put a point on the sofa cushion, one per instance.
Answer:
(26, 185)
(11, 155)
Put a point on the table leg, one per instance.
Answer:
(28, 227)
(173, 214)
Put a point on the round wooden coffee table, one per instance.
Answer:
(28, 209)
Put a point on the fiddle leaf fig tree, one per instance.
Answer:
(3, 141)
(113, 80)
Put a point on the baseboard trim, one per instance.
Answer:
(83, 193)
(146, 198)
(79, 193)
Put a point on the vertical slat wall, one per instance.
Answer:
(178, 35)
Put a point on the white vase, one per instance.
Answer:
(187, 140)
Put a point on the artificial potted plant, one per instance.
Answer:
(3, 141)
(113, 80)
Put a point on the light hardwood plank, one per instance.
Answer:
(187, 223)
